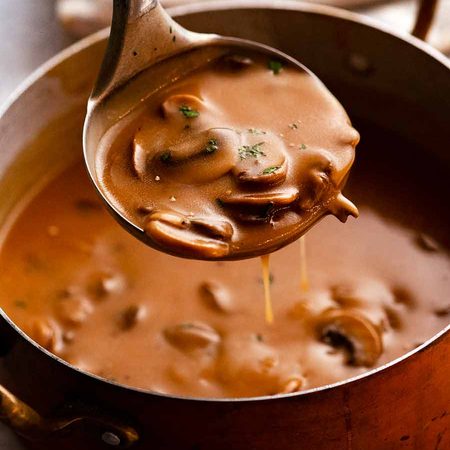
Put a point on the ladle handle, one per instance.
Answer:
(29, 424)
(141, 34)
(425, 14)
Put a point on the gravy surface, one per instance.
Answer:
(85, 289)
(234, 160)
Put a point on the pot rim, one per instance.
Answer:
(219, 5)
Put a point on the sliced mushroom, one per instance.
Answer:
(172, 218)
(189, 241)
(344, 295)
(199, 157)
(280, 198)
(182, 107)
(258, 207)
(192, 336)
(74, 310)
(47, 334)
(214, 227)
(393, 318)
(216, 296)
(131, 316)
(403, 296)
(356, 334)
(102, 284)
(262, 160)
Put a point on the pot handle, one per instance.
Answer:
(425, 14)
(29, 424)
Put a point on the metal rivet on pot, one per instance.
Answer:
(360, 64)
(111, 439)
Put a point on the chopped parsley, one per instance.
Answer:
(293, 126)
(302, 147)
(189, 112)
(212, 146)
(271, 169)
(220, 202)
(254, 151)
(256, 131)
(275, 66)
(166, 156)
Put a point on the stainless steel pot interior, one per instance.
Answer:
(390, 80)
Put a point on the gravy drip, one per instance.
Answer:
(268, 309)
(85, 289)
(235, 160)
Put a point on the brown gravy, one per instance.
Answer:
(235, 160)
(74, 280)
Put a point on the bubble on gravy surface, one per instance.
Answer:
(75, 281)
(237, 158)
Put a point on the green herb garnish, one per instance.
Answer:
(166, 156)
(253, 151)
(271, 169)
(256, 131)
(212, 146)
(302, 147)
(189, 112)
(275, 66)
(293, 126)
(220, 202)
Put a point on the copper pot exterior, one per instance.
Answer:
(387, 80)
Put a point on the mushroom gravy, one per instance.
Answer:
(234, 160)
(86, 290)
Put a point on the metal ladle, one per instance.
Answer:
(148, 50)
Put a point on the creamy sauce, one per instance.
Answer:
(234, 160)
(265, 266)
(81, 286)
(304, 280)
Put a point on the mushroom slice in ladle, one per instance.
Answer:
(199, 158)
(199, 237)
(261, 161)
(182, 109)
(277, 198)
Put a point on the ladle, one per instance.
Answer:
(147, 50)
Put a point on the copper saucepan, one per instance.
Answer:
(388, 79)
